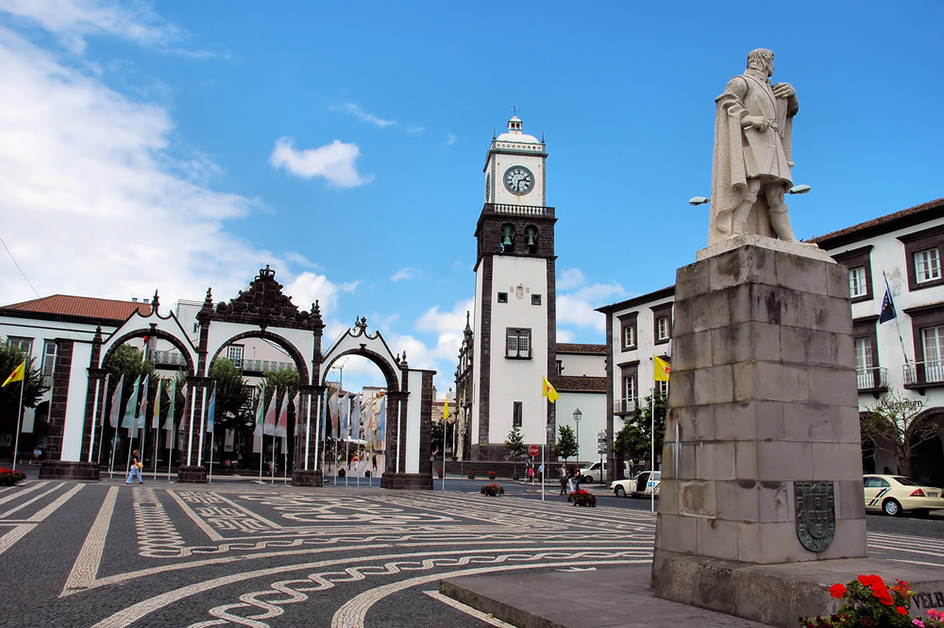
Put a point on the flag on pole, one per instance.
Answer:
(661, 372)
(156, 421)
(379, 434)
(260, 411)
(183, 415)
(281, 427)
(211, 411)
(345, 412)
(17, 375)
(549, 392)
(333, 411)
(299, 424)
(116, 404)
(268, 426)
(129, 422)
(356, 419)
(172, 391)
(144, 393)
(101, 421)
(888, 306)
(446, 409)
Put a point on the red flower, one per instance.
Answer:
(837, 590)
(901, 610)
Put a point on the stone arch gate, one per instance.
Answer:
(264, 312)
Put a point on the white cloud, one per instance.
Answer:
(83, 171)
(578, 308)
(405, 273)
(73, 20)
(450, 139)
(298, 258)
(307, 288)
(570, 279)
(565, 336)
(334, 162)
(356, 111)
(452, 323)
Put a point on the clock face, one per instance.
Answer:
(519, 180)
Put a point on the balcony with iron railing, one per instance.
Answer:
(921, 375)
(872, 380)
(625, 406)
(174, 358)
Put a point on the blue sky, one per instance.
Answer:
(176, 146)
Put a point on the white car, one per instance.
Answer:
(645, 484)
(591, 473)
(894, 494)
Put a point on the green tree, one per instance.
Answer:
(633, 440)
(514, 446)
(11, 356)
(566, 445)
(891, 427)
(233, 397)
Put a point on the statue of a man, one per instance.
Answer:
(751, 166)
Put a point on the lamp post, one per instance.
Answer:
(577, 416)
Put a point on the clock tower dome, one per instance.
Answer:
(515, 305)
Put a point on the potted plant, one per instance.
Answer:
(581, 497)
(471, 475)
(867, 601)
(440, 473)
(492, 490)
(492, 475)
(8, 477)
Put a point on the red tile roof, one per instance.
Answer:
(884, 224)
(564, 347)
(81, 307)
(580, 384)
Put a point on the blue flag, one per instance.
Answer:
(888, 306)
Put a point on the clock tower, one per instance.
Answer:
(515, 306)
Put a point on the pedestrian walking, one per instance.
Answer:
(135, 467)
(562, 472)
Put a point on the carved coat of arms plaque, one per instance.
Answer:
(815, 514)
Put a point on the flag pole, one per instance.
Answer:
(19, 418)
(652, 446)
(901, 340)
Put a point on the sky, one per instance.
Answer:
(176, 146)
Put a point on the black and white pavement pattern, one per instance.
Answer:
(110, 555)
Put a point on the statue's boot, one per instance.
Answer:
(741, 212)
(780, 221)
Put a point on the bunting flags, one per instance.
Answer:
(17, 375)
(549, 392)
(661, 372)
(268, 426)
(211, 411)
(185, 391)
(144, 394)
(260, 410)
(156, 421)
(101, 421)
(379, 435)
(356, 419)
(281, 427)
(116, 403)
(129, 421)
(333, 411)
(345, 412)
(169, 422)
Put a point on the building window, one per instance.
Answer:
(518, 343)
(49, 358)
(868, 374)
(927, 265)
(857, 282)
(859, 263)
(628, 395)
(923, 252)
(663, 388)
(629, 388)
(662, 323)
(234, 353)
(516, 418)
(503, 297)
(933, 340)
(535, 299)
(23, 344)
(628, 331)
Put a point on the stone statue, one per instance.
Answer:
(751, 165)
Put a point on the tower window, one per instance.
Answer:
(503, 297)
(518, 343)
(535, 299)
(516, 416)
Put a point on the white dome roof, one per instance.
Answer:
(514, 133)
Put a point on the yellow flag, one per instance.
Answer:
(662, 369)
(549, 392)
(446, 410)
(16, 375)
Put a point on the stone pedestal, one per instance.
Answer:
(64, 470)
(310, 477)
(408, 481)
(191, 474)
(762, 403)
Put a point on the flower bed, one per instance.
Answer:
(9, 477)
(492, 490)
(867, 601)
(581, 497)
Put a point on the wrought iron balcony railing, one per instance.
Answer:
(625, 406)
(918, 374)
(872, 378)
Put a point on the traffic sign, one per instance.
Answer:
(533, 450)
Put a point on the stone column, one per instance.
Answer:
(762, 406)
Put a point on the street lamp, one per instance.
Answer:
(796, 189)
(577, 416)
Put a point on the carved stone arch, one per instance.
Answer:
(300, 363)
(152, 332)
(387, 368)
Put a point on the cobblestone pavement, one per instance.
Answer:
(110, 555)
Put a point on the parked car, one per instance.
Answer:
(895, 494)
(591, 472)
(645, 484)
